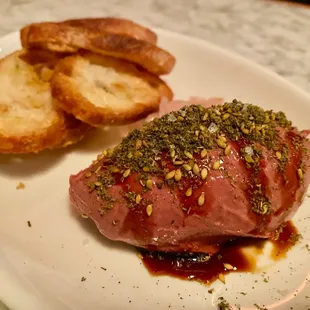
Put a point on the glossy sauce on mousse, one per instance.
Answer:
(231, 258)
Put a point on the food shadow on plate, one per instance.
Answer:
(25, 165)
(103, 138)
(92, 232)
(3, 306)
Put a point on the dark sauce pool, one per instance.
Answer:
(231, 258)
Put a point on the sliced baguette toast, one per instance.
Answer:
(115, 25)
(102, 90)
(59, 37)
(29, 121)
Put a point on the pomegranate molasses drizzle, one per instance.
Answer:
(231, 258)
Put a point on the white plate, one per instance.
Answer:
(41, 267)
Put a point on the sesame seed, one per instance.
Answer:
(149, 210)
(203, 153)
(204, 173)
(114, 169)
(189, 192)
(170, 175)
(178, 175)
(172, 153)
(188, 154)
(223, 138)
(126, 173)
(222, 278)
(221, 143)
(248, 159)
(178, 162)
(149, 184)
(138, 198)
(88, 175)
(245, 131)
(279, 155)
(201, 199)
(227, 150)
(265, 208)
(228, 266)
(187, 167)
(226, 116)
(216, 165)
(300, 174)
(196, 170)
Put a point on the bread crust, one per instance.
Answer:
(65, 131)
(73, 101)
(59, 37)
(115, 25)
(58, 130)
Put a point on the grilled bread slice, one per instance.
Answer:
(29, 121)
(102, 90)
(115, 25)
(99, 25)
(60, 37)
